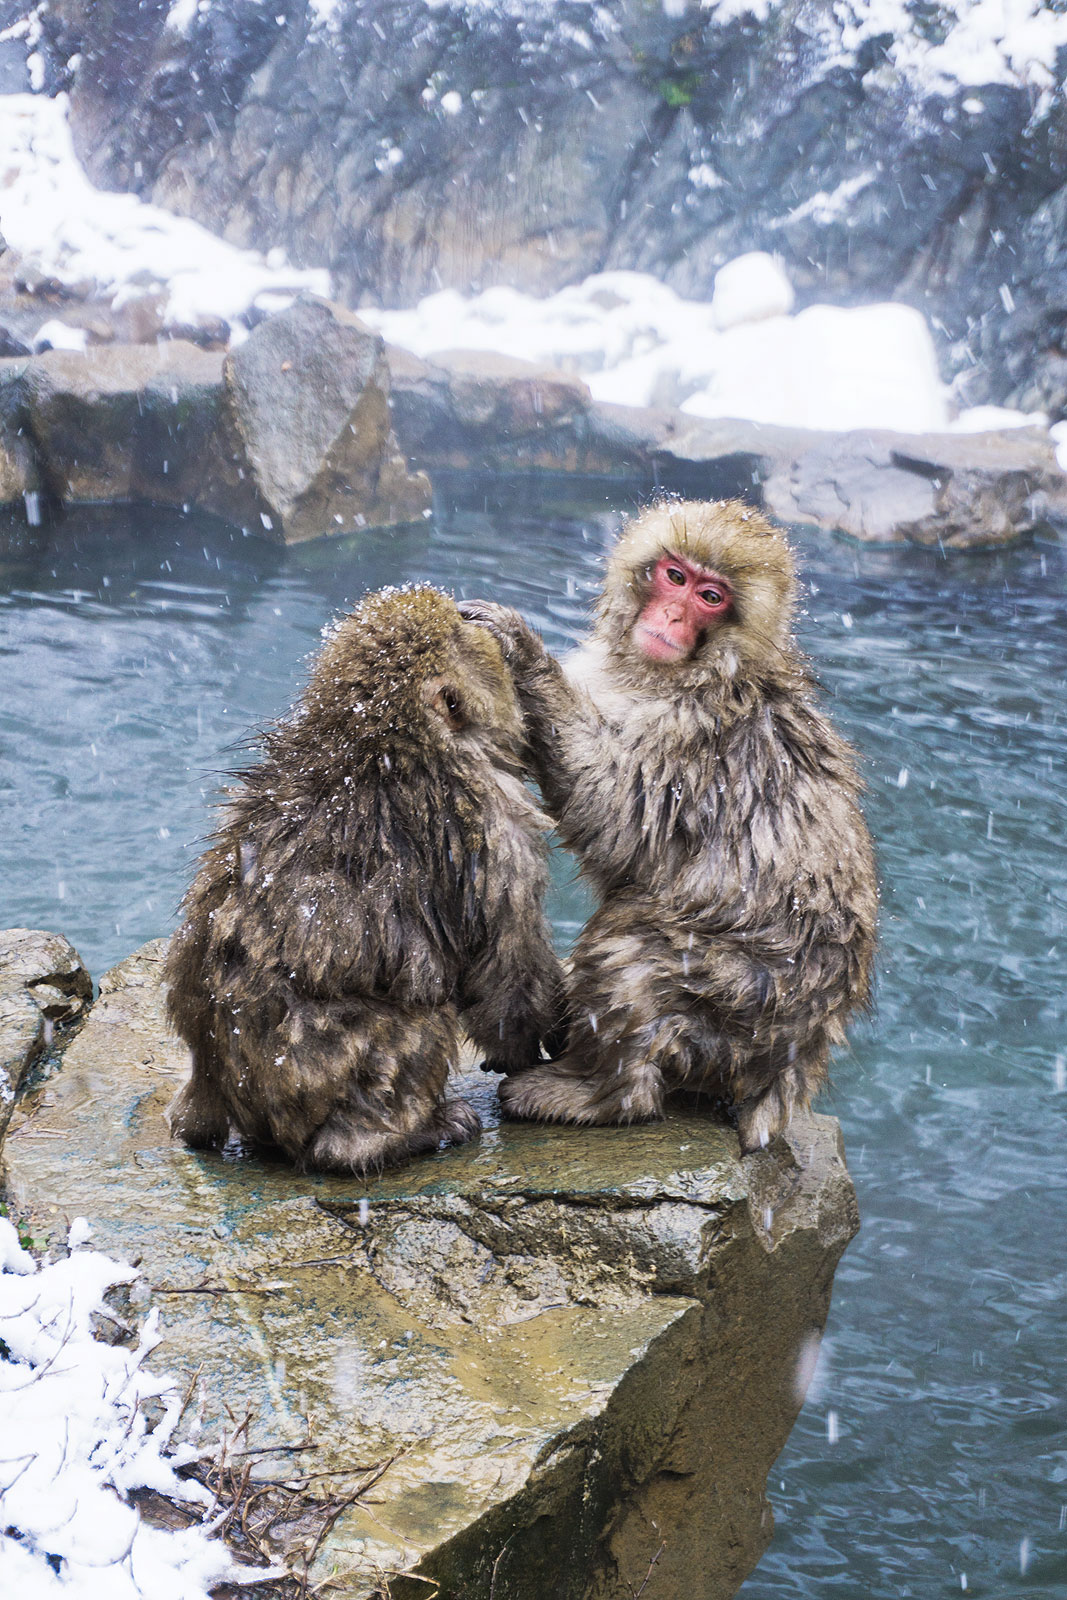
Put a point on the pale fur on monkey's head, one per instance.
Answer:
(727, 537)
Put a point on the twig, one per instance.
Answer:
(320, 1261)
(638, 1592)
(496, 1563)
(213, 1288)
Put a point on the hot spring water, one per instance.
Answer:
(138, 648)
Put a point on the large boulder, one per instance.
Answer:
(44, 991)
(308, 447)
(572, 1354)
(479, 411)
(120, 422)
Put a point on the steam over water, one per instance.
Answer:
(931, 1458)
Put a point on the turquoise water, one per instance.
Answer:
(137, 649)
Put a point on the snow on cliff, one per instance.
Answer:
(116, 245)
(743, 354)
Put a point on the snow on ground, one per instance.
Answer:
(636, 342)
(74, 1441)
(116, 245)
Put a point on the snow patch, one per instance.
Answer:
(56, 335)
(181, 16)
(984, 41)
(636, 342)
(116, 245)
(991, 419)
(824, 208)
(324, 15)
(957, 43)
(74, 1442)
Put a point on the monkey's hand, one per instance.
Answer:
(520, 645)
(552, 1044)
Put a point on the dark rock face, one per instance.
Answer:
(573, 1353)
(409, 147)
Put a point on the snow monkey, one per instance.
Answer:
(715, 811)
(375, 879)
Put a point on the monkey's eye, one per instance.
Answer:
(712, 597)
(446, 702)
(675, 575)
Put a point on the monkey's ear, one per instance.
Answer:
(445, 701)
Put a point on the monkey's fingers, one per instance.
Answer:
(484, 611)
(504, 623)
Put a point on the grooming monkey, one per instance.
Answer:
(715, 811)
(375, 878)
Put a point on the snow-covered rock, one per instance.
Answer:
(750, 288)
(638, 343)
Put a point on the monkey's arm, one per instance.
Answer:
(513, 995)
(560, 719)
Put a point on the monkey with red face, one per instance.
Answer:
(715, 811)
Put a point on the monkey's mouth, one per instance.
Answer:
(662, 643)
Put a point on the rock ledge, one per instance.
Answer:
(577, 1349)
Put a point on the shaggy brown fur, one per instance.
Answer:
(715, 810)
(375, 879)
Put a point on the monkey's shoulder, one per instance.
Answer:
(796, 723)
(276, 829)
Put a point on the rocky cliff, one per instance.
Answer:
(904, 150)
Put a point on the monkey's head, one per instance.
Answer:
(403, 675)
(692, 586)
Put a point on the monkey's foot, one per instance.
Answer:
(759, 1121)
(198, 1117)
(457, 1121)
(554, 1093)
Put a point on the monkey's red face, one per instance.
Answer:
(684, 602)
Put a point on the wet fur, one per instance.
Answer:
(374, 885)
(715, 810)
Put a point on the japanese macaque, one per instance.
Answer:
(375, 879)
(715, 811)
